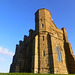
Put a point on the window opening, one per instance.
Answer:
(41, 20)
(42, 25)
(59, 54)
(43, 38)
(44, 53)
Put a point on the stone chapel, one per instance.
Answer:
(45, 50)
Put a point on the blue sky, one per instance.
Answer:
(18, 16)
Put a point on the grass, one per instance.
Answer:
(31, 74)
(27, 74)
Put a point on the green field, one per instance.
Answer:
(31, 74)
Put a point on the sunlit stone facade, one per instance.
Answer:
(45, 50)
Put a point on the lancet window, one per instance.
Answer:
(59, 54)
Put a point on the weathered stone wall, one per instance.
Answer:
(43, 53)
(69, 53)
(69, 58)
(37, 53)
(56, 37)
(22, 60)
(59, 67)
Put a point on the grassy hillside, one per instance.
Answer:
(30, 74)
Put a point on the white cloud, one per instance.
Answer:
(5, 51)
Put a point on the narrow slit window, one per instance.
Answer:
(44, 53)
(42, 25)
(41, 20)
(43, 38)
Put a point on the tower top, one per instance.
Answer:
(40, 13)
(43, 9)
(43, 20)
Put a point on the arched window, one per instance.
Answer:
(59, 54)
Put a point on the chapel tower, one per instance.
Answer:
(45, 50)
(50, 45)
